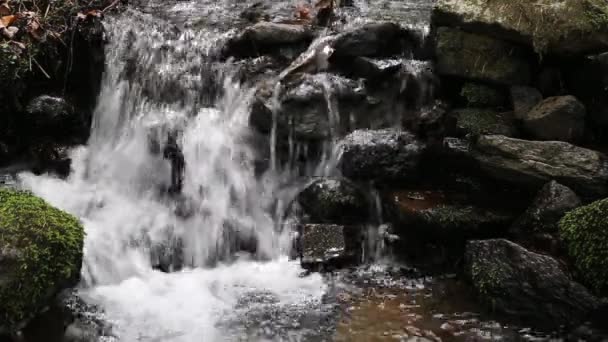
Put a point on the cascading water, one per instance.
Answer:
(122, 188)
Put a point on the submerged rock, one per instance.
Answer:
(334, 201)
(533, 163)
(564, 27)
(585, 234)
(40, 254)
(556, 118)
(523, 99)
(525, 285)
(477, 57)
(381, 155)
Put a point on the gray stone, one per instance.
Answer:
(523, 99)
(267, 37)
(556, 118)
(533, 163)
(382, 155)
(376, 39)
(478, 57)
(326, 246)
(529, 286)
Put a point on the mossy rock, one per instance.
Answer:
(551, 26)
(585, 233)
(478, 121)
(40, 254)
(481, 95)
(480, 58)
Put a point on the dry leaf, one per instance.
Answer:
(19, 45)
(5, 9)
(89, 14)
(8, 20)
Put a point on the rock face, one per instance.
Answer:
(525, 285)
(534, 163)
(263, 37)
(334, 201)
(40, 254)
(477, 57)
(556, 118)
(523, 99)
(548, 207)
(585, 234)
(566, 27)
(481, 95)
(382, 155)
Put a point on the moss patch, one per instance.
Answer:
(569, 26)
(480, 95)
(46, 245)
(478, 121)
(585, 233)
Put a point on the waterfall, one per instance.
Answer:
(159, 110)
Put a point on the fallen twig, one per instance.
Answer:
(110, 6)
(41, 68)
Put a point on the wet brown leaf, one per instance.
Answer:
(7, 20)
(5, 9)
(303, 12)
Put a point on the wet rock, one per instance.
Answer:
(324, 246)
(484, 121)
(334, 201)
(556, 118)
(374, 69)
(53, 117)
(481, 95)
(576, 26)
(255, 12)
(381, 155)
(533, 163)
(525, 285)
(523, 99)
(267, 37)
(551, 203)
(477, 57)
(376, 40)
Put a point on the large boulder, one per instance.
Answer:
(585, 234)
(533, 163)
(556, 118)
(523, 99)
(267, 37)
(382, 155)
(40, 254)
(529, 286)
(334, 201)
(478, 57)
(564, 27)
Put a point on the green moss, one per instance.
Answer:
(47, 244)
(480, 95)
(585, 233)
(487, 279)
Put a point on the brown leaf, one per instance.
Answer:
(8, 20)
(19, 45)
(9, 32)
(5, 9)
(303, 12)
